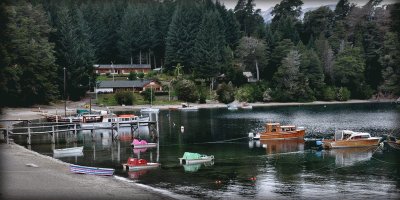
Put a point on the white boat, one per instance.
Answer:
(134, 164)
(149, 110)
(194, 158)
(72, 150)
(124, 120)
(91, 170)
(232, 107)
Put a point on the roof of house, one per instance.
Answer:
(122, 66)
(123, 84)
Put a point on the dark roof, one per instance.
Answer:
(123, 84)
(120, 66)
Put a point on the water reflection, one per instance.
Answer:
(351, 156)
(283, 146)
(196, 167)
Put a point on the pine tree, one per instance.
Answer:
(29, 68)
(209, 48)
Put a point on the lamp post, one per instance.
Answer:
(151, 93)
(65, 97)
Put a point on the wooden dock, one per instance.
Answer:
(29, 129)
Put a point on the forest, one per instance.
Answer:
(349, 52)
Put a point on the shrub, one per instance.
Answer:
(148, 95)
(342, 94)
(225, 93)
(245, 93)
(185, 90)
(132, 76)
(329, 94)
(124, 97)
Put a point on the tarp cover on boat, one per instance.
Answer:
(188, 155)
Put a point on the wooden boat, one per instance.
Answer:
(72, 150)
(346, 138)
(142, 144)
(135, 164)
(195, 158)
(187, 107)
(246, 106)
(91, 170)
(274, 131)
(393, 142)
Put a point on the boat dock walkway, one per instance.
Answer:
(29, 175)
(28, 129)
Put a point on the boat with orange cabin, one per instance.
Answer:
(347, 138)
(274, 131)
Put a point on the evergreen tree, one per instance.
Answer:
(281, 50)
(290, 84)
(209, 47)
(181, 37)
(287, 8)
(311, 67)
(390, 60)
(28, 67)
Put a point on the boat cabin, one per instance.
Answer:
(276, 127)
(350, 135)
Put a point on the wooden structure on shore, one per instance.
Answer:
(54, 129)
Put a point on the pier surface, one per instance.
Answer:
(25, 174)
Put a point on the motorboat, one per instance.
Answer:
(72, 150)
(187, 107)
(246, 106)
(195, 158)
(135, 164)
(142, 144)
(274, 131)
(347, 138)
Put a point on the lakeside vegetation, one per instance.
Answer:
(350, 52)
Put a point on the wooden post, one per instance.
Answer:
(53, 140)
(112, 131)
(29, 135)
(7, 132)
(92, 134)
(75, 137)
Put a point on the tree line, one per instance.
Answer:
(351, 51)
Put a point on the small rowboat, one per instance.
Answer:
(195, 158)
(72, 150)
(134, 164)
(78, 169)
(142, 144)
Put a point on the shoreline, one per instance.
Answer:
(37, 112)
(26, 174)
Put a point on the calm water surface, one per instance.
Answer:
(245, 169)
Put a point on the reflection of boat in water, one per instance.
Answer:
(274, 131)
(283, 146)
(350, 156)
(196, 167)
(346, 138)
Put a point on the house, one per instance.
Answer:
(122, 85)
(249, 77)
(121, 68)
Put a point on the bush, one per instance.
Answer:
(124, 97)
(245, 93)
(329, 94)
(185, 90)
(225, 93)
(148, 95)
(202, 94)
(132, 76)
(342, 94)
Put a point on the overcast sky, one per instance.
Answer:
(266, 4)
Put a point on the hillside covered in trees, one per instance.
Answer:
(352, 51)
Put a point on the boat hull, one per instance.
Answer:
(394, 145)
(148, 145)
(299, 134)
(140, 167)
(91, 170)
(351, 143)
(195, 161)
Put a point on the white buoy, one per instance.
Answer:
(182, 129)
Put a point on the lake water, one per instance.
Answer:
(246, 169)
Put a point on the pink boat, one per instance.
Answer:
(142, 144)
